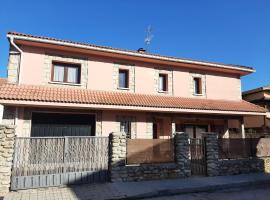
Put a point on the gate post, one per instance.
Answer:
(182, 153)
(117, 157)
(211, 150)
(7, 139)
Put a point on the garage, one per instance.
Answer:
(62, 124)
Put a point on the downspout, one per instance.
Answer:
(11, 39)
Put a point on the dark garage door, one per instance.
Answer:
(59, 124)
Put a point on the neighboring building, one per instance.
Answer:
(261, 97)
(57, 87)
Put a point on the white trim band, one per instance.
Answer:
(129, 108)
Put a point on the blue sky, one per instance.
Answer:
(227, 31)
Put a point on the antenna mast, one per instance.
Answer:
(149, 36)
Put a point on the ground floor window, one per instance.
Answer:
(125, 126)
(194, 131)
(62, 124)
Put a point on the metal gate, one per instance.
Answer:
(53, 161)
(197, 157)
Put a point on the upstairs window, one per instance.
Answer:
(66, 73)
(197, 85)
(123, 78)
(163, 83)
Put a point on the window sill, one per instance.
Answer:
(164, 92)
(120, 88)
(62, 83)
(200, 95)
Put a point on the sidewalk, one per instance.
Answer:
(145, 189)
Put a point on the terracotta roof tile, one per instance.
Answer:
(3, 81)
(84, 96)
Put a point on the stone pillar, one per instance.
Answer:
(182, 153)
(211, 148)
(1, 113)
(118, 150)
(7, 138)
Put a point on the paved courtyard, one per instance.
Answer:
(82, 192)
(149, 189)
(244, 193)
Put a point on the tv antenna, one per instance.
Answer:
(149, 36)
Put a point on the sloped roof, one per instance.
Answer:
(24, 36)
(85, 96)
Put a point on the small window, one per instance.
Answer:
(125, 126)
(197, 85)
(66, 73)
(123, 78)
(163, 80)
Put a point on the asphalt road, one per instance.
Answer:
(261, 192)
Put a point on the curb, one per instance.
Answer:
(211, 188)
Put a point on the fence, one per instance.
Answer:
(243, 148)
(141, 151)
(38, 159)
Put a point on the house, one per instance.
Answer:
(62, 88)
(258, 124)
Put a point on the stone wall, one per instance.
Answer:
(146, 172)
(240, 166)
(119, 171)
(7, 138)
(223, 167)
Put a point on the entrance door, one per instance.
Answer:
(195, 131)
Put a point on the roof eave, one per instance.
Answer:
(126, 108)
(241, 70)
(256, 90)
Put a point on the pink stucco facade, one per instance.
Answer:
(100, 75)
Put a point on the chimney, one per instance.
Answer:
(141, 50)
